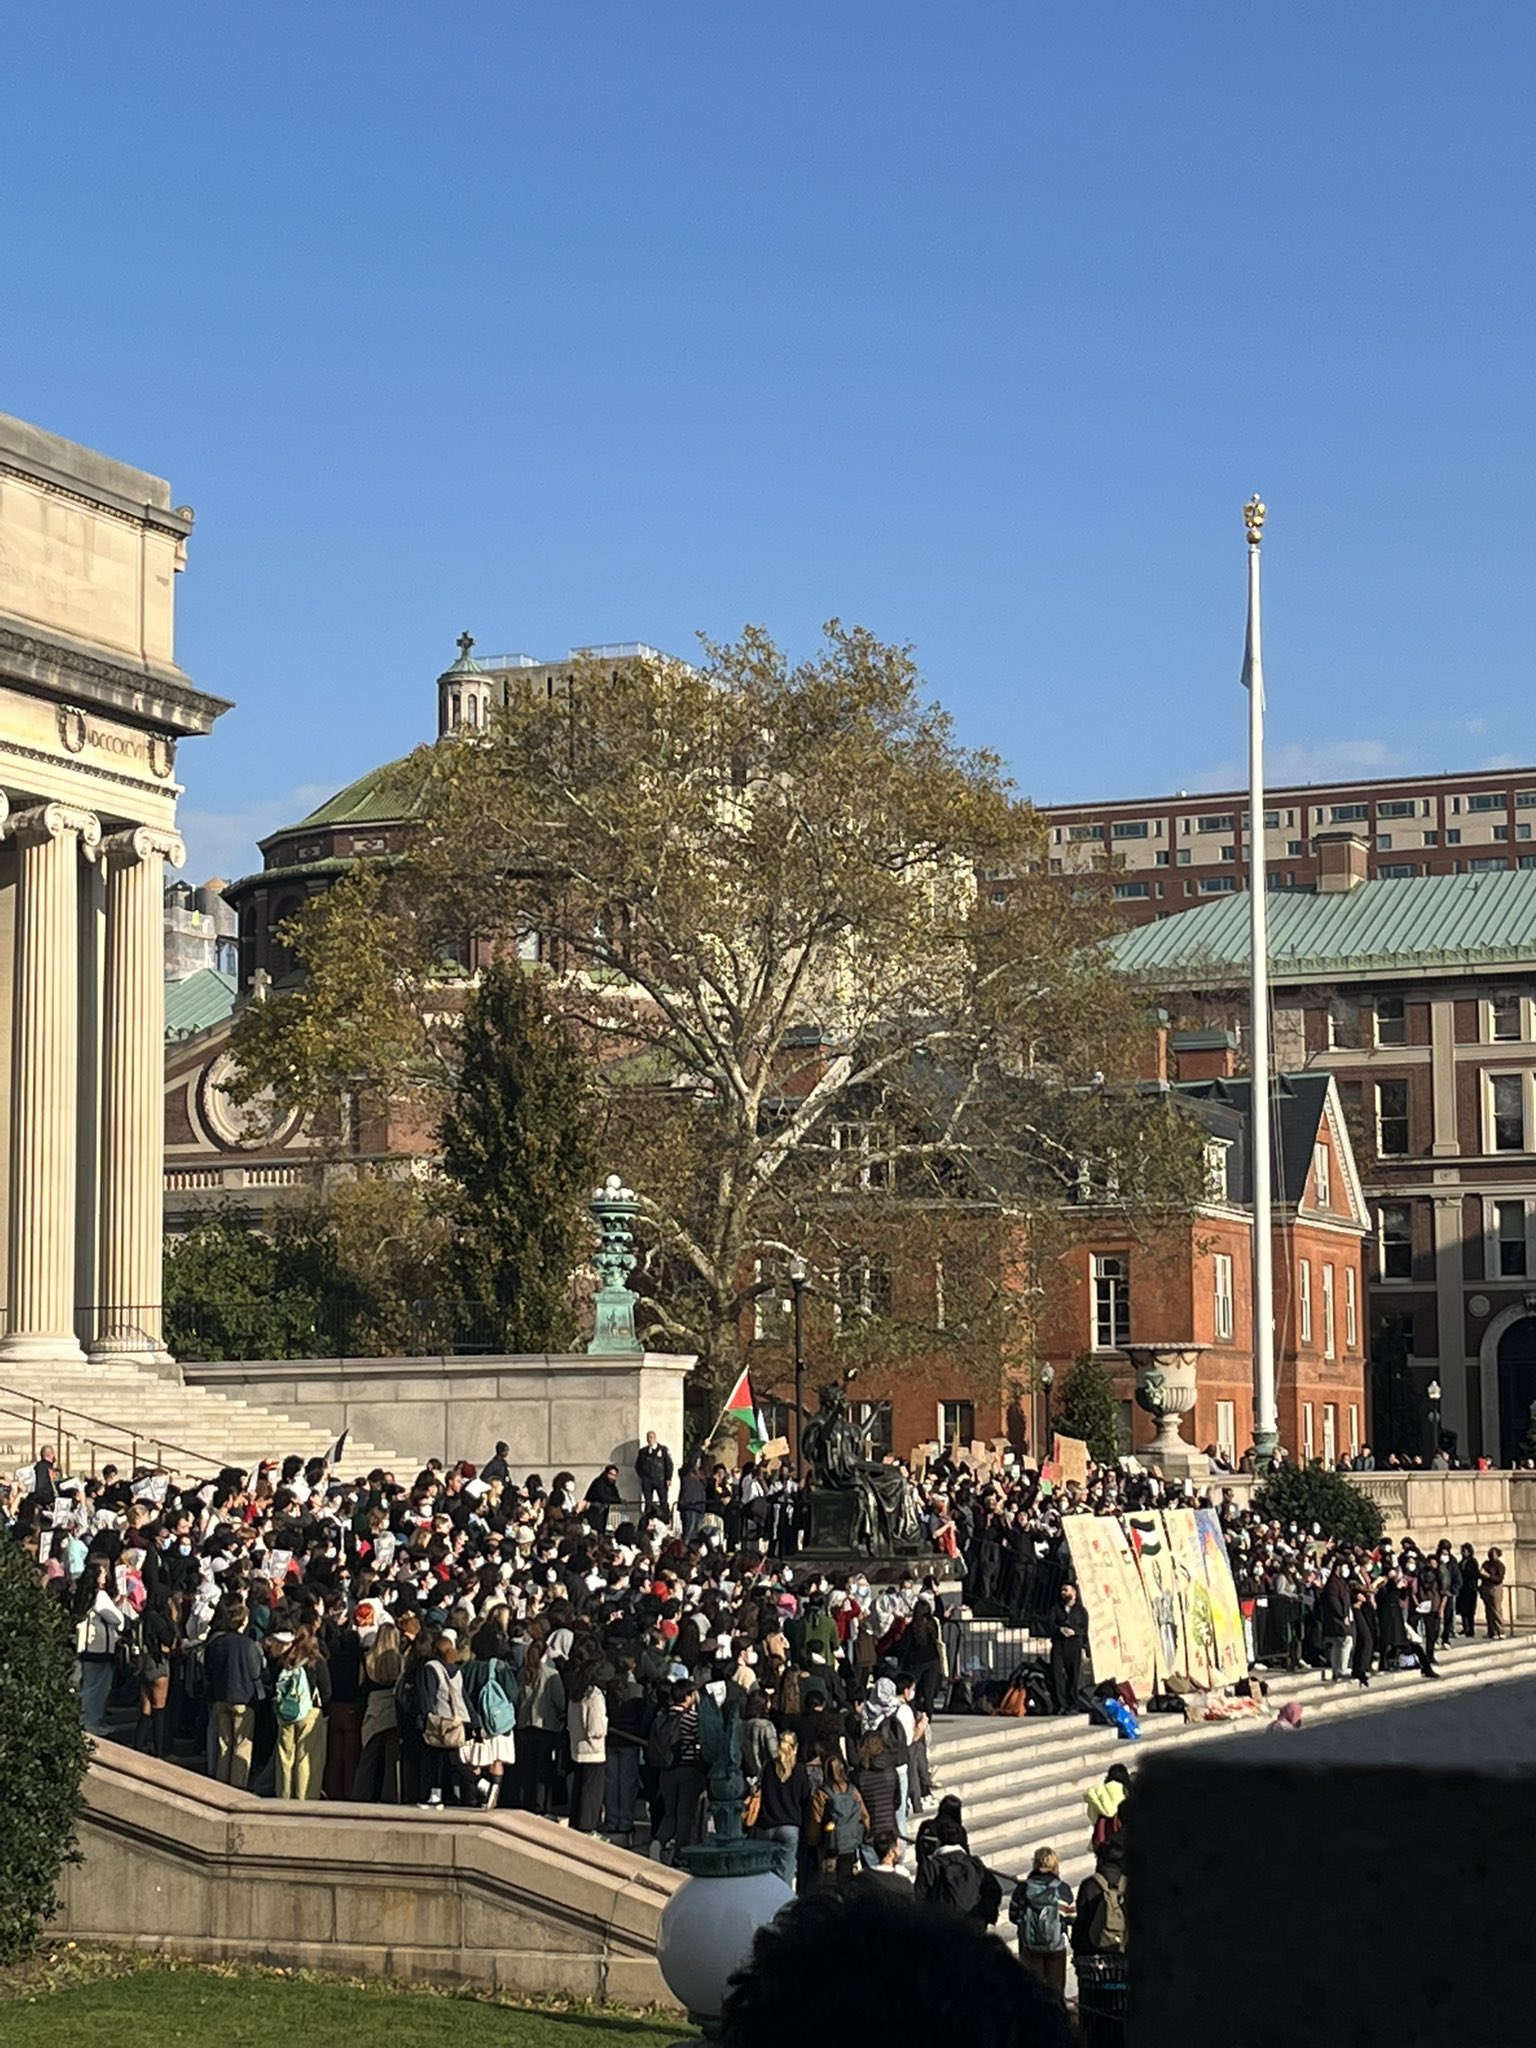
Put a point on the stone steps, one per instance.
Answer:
(130, 1406)
(1022, 1782)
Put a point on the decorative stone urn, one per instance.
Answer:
(1166, 1384)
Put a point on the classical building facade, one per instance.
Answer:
(1419, 996)
(92, 710)
(1170, 853)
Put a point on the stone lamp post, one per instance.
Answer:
(613, 1328)
(1166, 1386)
(708, 1926)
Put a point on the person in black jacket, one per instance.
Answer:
(603, 1496)
(1099, 1928)
(234, 1671)
(1068, 1631)
(653, 1468)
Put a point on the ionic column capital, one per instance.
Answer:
(142, 843)
(42, 822)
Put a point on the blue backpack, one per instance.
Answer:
(497, 1711)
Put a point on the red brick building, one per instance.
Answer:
(1180, 850)
(1111, 1286)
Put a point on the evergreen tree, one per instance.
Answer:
(1309, 1494)
(517, 1145)
(226, 1295)
(1086, 1407)
(43, 1750)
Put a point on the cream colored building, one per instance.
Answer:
(92, 710)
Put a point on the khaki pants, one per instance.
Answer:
(301, 1756)
(233, 1728)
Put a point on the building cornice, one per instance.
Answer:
(159, 699)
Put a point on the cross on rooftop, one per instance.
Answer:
(464, 643)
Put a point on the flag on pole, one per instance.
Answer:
(742, 1409)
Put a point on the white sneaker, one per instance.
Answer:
(434, 1798)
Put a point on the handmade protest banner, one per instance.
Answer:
(1121, 1641)
(1069, 1457)
(1150, 1547)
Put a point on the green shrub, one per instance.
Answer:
(1085, 1407)
(1308, 1495)
(43, 1751)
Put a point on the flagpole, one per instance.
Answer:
(1266, 1432)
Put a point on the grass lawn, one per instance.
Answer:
(89, 1998)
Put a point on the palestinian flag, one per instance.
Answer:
(741, 1408)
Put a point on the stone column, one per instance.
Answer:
(132, 1165)
(45, 1082)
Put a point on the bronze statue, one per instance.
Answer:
(886, 1514)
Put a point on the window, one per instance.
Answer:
(1330, 1433)
(1214, 823)
(1128, 891)
(1304, 1303)
(1130, 828)
(1525, 799)
(998, 899)
(872, 1286)
(1226, 1430)
(1219, 885)
(1506, 1112)
(1344, 1030)
(1392, 1119)
(864, 1156)
(1216, 1150)
(1431, 838)
(957, 1423)
(1229, 853)
(1222, 1266)
(1354, 1428)
(1509, 1222)
(1322, 1177)
(1485, 803)
(1453, 836)
(1394, 1240)
(774, 1416)
(1455, 806)
(1081, 832)
(1504, 1019)
(1330, 1348)
(1487, 867)
(1308, 1440)
(1396, 871)
(1162, 860)
(1185, 856)
(872, 1419)
(1397, 807)
(1349, 814)
(1111, 1302)
(770, 1311)
(1384, 842)
(1522, 831)
(1351, 1313)
(1293, 848)
(1526, 860)
(1501, 831)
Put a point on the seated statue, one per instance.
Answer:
(886, 1513)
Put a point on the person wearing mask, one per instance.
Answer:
(586, 1727)
(920, 1656)
(540, 1719)
(1336, 1625)
(343, 1649)
(234, 1675)
(152, 1669)
(1466, 1592)
(785, 1805)
(674, 1752)
(300, 1696)
(1042, 1909)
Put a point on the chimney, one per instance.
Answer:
(1153, 1063)
(1343, 860)
(1204, 1055)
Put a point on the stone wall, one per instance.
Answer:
(568, 1411)
(500, 1901)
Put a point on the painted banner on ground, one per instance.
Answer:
(1120, 1636)
(1152, 1548)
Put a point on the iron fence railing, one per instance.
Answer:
(290, 1325)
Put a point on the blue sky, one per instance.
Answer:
(972, 323)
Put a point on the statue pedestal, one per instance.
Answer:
(829, 1520)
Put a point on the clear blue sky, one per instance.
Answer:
(972, 323)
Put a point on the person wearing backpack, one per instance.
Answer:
(838, 1823)
(1099, 1929)
(1042, 1910)
(299, 1700)
(673, 1752)
(951, 1876)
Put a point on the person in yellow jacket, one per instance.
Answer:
(1106, 1804)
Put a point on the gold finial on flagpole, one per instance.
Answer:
(1253, 519)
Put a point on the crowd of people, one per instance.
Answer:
(467, 1638)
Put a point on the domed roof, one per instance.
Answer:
(384, 796)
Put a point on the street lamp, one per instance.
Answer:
(1433, 1391)
(799, 1280)
(1047, 1381)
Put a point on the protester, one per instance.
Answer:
(1099, 1926)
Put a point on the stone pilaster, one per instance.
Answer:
(132, 1159)
(45, 1082)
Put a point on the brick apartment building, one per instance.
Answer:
(1116, 1286)
(1419, 996)
(1175, 851)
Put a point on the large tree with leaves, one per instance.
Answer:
(834, 1000)
(518, 1156)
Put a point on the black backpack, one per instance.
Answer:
(953, 1878)
(661, 1743)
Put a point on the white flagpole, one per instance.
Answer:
(1266, 1432)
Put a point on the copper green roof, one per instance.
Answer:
(196, 1001)
(1427, 921)
(384, 796)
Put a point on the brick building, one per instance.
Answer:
(1115, 1285)
(1175, 851)
(1419, 996)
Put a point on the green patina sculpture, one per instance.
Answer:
(615, 1207)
